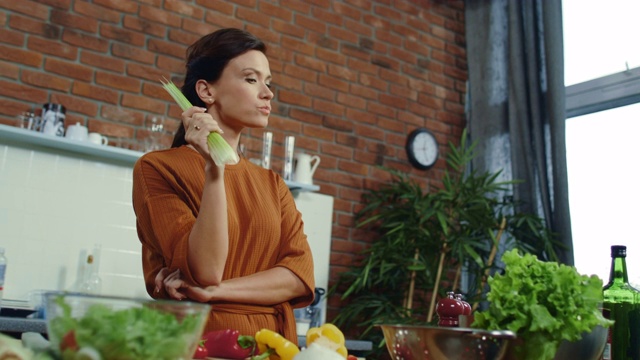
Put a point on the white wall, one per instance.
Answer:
(54, 209)
(55, 206)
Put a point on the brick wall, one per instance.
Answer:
(352, 78)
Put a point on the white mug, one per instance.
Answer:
(77, 132)
(98, 138)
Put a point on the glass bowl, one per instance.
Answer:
(123, 328)
(416, 342)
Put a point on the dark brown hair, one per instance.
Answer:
(207, 58)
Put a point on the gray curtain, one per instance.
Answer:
(516, 108)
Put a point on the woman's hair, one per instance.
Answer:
(207, 58)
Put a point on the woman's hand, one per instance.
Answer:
(179, 289)
(198, 124)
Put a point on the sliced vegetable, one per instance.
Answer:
(330, 336)
(229, 344)
(274, 346)
(221, 152)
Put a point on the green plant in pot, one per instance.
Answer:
(426, 243)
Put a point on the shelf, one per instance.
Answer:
(33, 139)
(22, 138)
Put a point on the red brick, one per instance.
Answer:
(24, 57)
(294, 98)
(275, 11)
(286, 28)
(117, 33)
(11, 37)
(170, 64)
(95, 92)
(337, 123)
(223, 7)
(167, 48)
(299, 6)
(70, 20)
(343, 34)
(119, 82)
(102, 61)
(21, 92)
(3, 18)
(373, 82)
(181, 7)
(363, 91)
(45, 81)
(27, 7)
(85, 41)
(9, 70)
(116, 132)
(52, 47)
(132, 53)
(97, 12)
(142, 103)
(60, 4)
(297, 45)
(301, 73)
(146, 72)
(186, 38)
(330, 56)
(311, 24)
(29, 25)
(351, 101)
(120, 114)
(328, 107)
(68, 69)
(144, 26)
(253, 16)
(157, 15)
(220, 22)
(75, 104)
(126, 6)
(358, 28)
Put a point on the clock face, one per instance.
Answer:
(422, 149)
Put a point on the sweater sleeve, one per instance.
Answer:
(163, 218)
(295, 252)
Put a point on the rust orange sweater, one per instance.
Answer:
(265, 230)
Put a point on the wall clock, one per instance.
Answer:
(422, 148)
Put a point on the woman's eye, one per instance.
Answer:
(251, 81)
(269, 86)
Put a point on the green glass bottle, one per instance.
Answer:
(621, 304)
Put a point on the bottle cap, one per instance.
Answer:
(618, 251)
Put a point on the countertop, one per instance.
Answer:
(21, 325)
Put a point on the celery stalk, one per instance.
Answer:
(221, 152)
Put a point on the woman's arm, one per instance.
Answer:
(209, 238)
(268, 287)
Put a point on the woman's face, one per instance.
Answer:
(242, 96)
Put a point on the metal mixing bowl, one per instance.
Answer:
(414, 342)
(589, 347)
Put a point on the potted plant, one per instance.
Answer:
(428, 243)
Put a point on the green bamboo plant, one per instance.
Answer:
(426, 242)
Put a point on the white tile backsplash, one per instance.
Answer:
(53, 209)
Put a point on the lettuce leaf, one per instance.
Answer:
(543, 303)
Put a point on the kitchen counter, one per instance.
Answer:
(21, 325)
(18, 325)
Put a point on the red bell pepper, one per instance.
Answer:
(229, 344)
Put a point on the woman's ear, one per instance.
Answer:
(205, 91)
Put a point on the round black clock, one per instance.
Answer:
(422, 148)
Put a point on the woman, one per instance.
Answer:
(228, 235)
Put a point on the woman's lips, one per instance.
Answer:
(265, 110)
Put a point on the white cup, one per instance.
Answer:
(98, 138)
(77, 132)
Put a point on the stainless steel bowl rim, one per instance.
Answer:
(502, 334)
(68, 294)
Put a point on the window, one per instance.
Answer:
(602, 74)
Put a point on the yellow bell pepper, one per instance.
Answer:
(274, 346)
(330, 332)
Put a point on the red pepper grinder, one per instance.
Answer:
(448, 310)
(466, 305)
